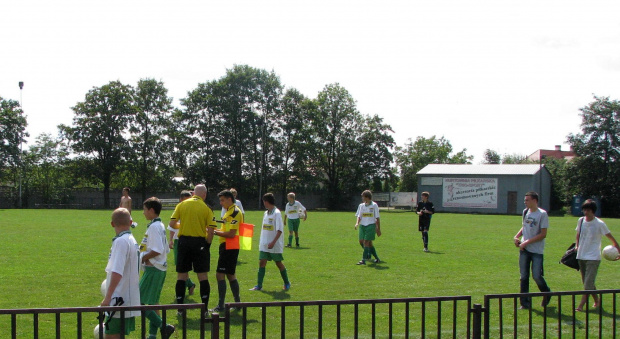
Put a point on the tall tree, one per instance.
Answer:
(100, 126)
(596, 171)
(415, 155)
(12, 132)
(149, 143)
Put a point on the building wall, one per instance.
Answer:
(521, 184)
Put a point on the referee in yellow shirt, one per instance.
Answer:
(195, 237)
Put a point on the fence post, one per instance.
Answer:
(215, 325)
(477, 321)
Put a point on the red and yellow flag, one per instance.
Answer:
(243, 239)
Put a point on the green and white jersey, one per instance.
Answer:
(294, 210)
(368, 213)
(123, 260)
(155, 240)
(272, 223)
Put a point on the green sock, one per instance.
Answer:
(154, 322)
(297, 241)
(366, 253)
(261, 276)
(290, 239)
(373, 252)
(189, 283)
(284, 275)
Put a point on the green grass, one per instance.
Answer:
(56, 258)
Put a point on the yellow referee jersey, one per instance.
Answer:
(232, 219)
(195, 217)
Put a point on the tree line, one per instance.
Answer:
(244, 130)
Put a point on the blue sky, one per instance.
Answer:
(505, 75)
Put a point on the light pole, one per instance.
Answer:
(21, 103)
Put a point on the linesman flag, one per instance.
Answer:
(243, 239)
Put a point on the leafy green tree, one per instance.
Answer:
(515, 159)
(47, 175)
(596, 171)
(150, 146)
(12, 132)
(415, 155)
(100, 127)
(491, 157)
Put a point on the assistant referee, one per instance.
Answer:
(195, 235)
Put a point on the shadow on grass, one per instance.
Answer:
(277, 295)
(435, 252)
(552, 313)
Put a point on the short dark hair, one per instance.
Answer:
(532, 195)
(153, 203)
(268, 197)
(227, 194)
(186, 194)
(589, 204)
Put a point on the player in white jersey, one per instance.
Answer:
(293, 212)
(271, 242)
(237, 203)
(369, 225)
(154, 259)
(122, 280)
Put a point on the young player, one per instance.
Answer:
(122, 276)
(173, 242)
(227, 263)
(237, 202)
(126, 203)
(368, 216)
(292, 214)
(153, 257)
(271, 242)
(425, 210)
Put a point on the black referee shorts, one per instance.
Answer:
(193, 254)
(227, 263)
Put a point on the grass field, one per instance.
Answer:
(56, 258)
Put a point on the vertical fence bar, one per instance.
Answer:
(374, 322)
(301, 322)
(320, 329)
(79, 325)
(600, 315)
(574, 315)
(264, 322)
(356, 320)
(244, 324)
(407, 320)
(215, 325)
(423, 319)
(338, 321)
(283, 322)
(501, 318)
(36, 325)
(514, 322)
(13, 326)
(439, 319)
(559, 317)
(57, 325)
(390, 321)
(545, 320)
(613, 322)
(469, 318)
(454, 320)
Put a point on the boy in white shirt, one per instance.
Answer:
(590, 230)
(293, 212)
(368, 216)
(122, 285)
(153, 257)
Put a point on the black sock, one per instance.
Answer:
(425, 239)
(205, 290)
(234, 288)
(221, 289)
(180, 291)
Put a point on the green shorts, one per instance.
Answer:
(151, 283)
(114, 326)
(293, 224)
(270, 256)
(367, 232)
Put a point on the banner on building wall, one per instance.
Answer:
(470, 192)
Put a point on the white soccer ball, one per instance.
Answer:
(104, 287)
(610, 252)
(96, 332)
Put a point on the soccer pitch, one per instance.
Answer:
(57, 258)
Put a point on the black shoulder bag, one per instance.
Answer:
(570, 257)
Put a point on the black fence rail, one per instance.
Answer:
(403, 317)
(29, 323)
(434, 317)
(503, 317)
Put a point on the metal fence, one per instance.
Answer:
(433, 317)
